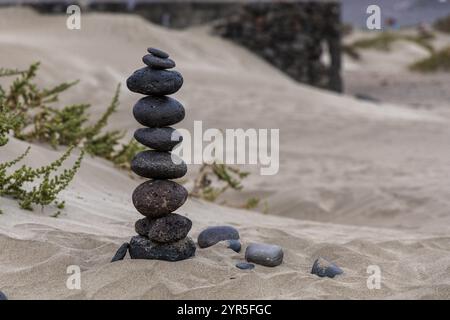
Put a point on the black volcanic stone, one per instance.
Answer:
(143, 248)
(3, 296)
(157, 52)
(325, 268)
(158, 165)
(161, 139)
(150, 81)
(121, 252)
(210, 236)
(142, 227)
(156, 198)
(169, 228)
(155, 111)
(158, 63)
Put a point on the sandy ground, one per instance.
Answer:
(386, 76)
(359, 183)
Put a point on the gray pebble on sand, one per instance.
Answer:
(324, 268)
(245, 265)
(212, 235)
(3, 296)
(234, 245)
(268, 255)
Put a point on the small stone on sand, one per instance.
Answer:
(121, 252)
(245, 265)
(324, 268)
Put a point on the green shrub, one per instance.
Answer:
(227, 177)
(36, 119)
(49, 184)
(28, 113)
(438, 61)
(122, 158)
(252, 203)
(443, 24)
(384, 41)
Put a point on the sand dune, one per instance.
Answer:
(386, 75)
(359, 183)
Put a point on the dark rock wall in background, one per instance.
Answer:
(290, 35)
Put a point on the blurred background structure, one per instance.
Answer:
(301, 38)
(290, 35)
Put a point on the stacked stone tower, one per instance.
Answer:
(162, 234)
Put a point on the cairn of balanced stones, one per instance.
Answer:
(162, 234)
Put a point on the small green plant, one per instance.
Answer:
(16, 184)
(35, 118)
(56, 214)
(59, 127)
(122, 158)
(227, 177)
(29, 186)
(8, 119)
(252, 203)
(351, 51)
(443, 24)
(215, 179)
(384, 41)
(437, 61)
(4, 72)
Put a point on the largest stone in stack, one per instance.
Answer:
(162, 234)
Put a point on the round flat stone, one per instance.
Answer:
(264, 254)
(245, 265)
(121, 252)
(169, 228)
(160, 139)
(158, 165)
(143, 248)
(325, 268)
(156, 198)
(155, 111)
(150, 81)
(211, 235)
(157, 52)
(234, 245)
(158, 63)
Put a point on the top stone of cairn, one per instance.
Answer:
(154, 79)
(158, 53)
